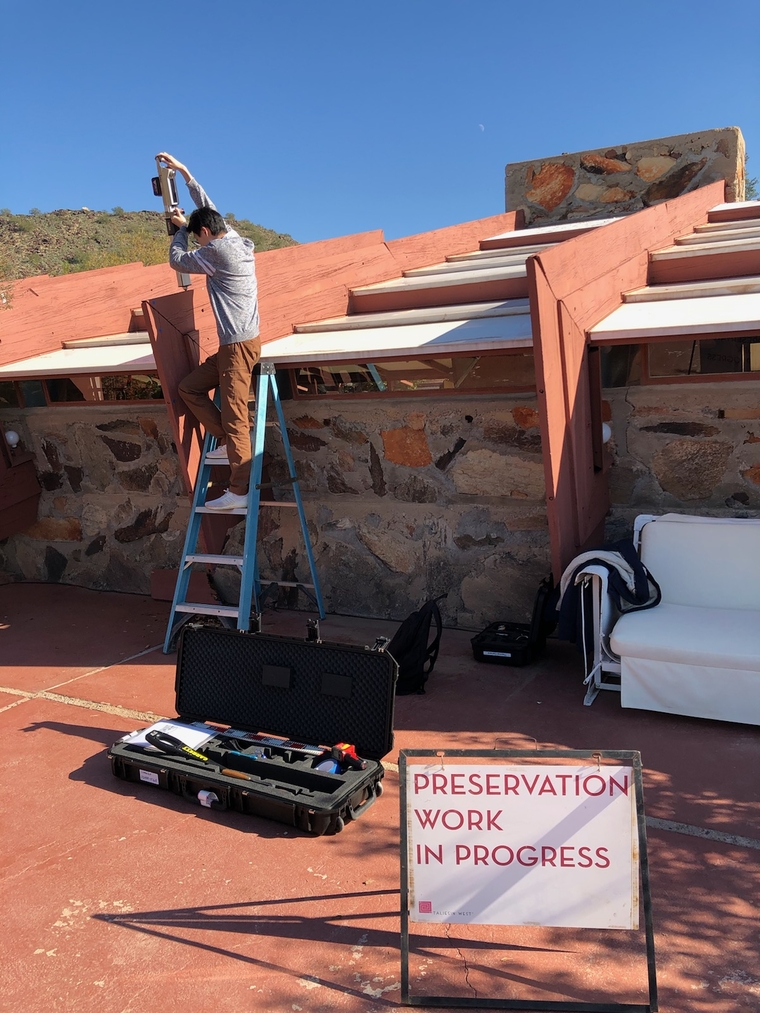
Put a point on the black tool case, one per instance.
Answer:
(515, 644)
(308, 692)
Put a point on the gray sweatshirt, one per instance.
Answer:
(230, 273)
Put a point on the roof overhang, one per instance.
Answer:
(662, 319)
(83, 361)
(476, 336)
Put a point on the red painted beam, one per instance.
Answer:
(573, 286)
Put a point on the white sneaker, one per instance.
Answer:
(227, 501)
(218, 456)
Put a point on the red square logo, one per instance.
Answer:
(426, 907)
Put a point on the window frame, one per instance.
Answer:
(49, 403)
(647, 380)
(439, 393)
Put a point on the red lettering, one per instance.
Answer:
(511, 783)
(585, 854)
(604, 862)
(477, 786)
(502, 847)
(423, 858)
(458, 819)
(547, 788)
(530, 861)
(566, 861)
(492, 784)
(461, 854)
(622, 788)
(564, 778)
(426, 819)
(420, 782)
(530, 785)
(474, 819)
(481, 854)
(594, 777)
(548, 859)
(492, 824)
(439, 783)
(457, 784)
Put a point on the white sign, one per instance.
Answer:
(506, 844)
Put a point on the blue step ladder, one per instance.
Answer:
(252, 591)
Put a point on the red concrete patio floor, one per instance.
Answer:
(119, 898)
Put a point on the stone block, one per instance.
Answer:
(146, 523)
(525, 416)
(406, 446)
(485, 473)
(350, 432)
(302, 441)
(123, 450)
(651, 168)
(416, 490)
(691, 469)
(55, 564)
(137, 479)
(398, 553)
(56, 529)
(571, 186)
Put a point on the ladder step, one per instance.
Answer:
(207, 610)
(239, 511)
(242, 511)
(205, 558)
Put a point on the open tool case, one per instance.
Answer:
(515, 644)
(308, 692)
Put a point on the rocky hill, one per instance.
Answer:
(60, 242)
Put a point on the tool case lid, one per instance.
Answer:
(310, 691)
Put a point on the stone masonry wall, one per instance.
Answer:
(624, 178)
(405, 499)
(410, 498)
(683, 448)
(112, 507)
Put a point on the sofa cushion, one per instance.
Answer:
(714, 637)
(712, 562)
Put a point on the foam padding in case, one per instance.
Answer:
(316, 693)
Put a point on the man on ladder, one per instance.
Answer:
(226, 259)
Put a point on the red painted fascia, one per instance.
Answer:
(573, 286)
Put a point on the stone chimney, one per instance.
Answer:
(628, 177)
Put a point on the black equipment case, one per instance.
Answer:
(515, 644)
(306, 693)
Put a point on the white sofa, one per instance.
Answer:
(698, 652)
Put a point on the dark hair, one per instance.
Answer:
(208, 218)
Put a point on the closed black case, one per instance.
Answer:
(311, 692)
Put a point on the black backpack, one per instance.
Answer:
(411, 651)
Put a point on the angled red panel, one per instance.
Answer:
(46, 311)
(573, 286)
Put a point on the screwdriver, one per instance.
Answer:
(173, 746)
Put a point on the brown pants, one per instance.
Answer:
(230, 370)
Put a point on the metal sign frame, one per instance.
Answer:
(630, 757)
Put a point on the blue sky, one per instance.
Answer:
(323, 117)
